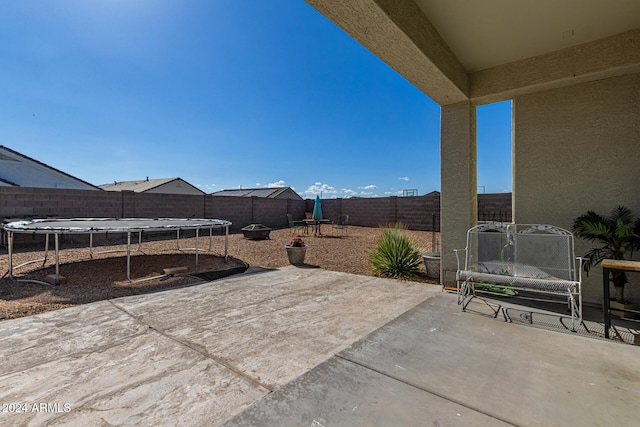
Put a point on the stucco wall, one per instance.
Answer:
(577, 149)
(459, 210)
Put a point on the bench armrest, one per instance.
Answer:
(458, 256)
(581, 261)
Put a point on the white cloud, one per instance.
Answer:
(348, 193)
(207, 188)
(276, 184)
(393, 193)
(318, 188)
(369, 187)
(404, 178)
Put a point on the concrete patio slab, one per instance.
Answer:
(436, 365)
(303, 346)
(146, 380)
(342, 393)
(190, 356)
(36, 340)
(522, 375)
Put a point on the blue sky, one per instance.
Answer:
(222, 93)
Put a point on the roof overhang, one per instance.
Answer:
(491, 50)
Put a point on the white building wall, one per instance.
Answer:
(31, 174)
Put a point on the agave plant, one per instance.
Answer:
(618, 236)
(395, 255)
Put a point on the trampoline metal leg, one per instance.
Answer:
(226, 243)
(56, 238)
(46, 249)
(10, 241)
(10, 249)
(197, 245)
(129, 256)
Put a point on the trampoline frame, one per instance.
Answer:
(91, 226)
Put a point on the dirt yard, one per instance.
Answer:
(104, 276)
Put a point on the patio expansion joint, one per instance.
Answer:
(72, 355)
(198, 349)
(426, 390)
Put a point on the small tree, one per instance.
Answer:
(395, 255)
(619, 236)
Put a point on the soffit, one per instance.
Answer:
(486, 33)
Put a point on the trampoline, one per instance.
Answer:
(91, 226)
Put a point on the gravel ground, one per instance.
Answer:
(104, 276)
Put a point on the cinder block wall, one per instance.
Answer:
(22, 202)
(235, 209)
(423, 213)
(371, 212)
(494, 207)
(152, 205)
(415, 212)
(242, 211)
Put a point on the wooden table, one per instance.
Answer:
(609, 265)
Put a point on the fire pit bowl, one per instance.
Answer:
(256, 232)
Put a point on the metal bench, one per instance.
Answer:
(533, 261)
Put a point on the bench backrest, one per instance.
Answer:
(513, 249)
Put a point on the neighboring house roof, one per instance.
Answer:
(170, 185)
(7, 183)
(268, 193)
(18, 170)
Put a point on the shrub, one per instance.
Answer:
(395, 255)
(617, 236)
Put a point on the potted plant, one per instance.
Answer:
(618, 235)
(296, 250)
(432, 264)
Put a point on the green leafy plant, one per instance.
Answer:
(618, 236)
(395, 255)
(489, 287)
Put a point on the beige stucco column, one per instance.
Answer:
(458, 199)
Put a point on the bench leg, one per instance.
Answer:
(466, 293)
(576, 311)
(459, 288)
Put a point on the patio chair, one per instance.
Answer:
(342, 224)
(295, 225)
